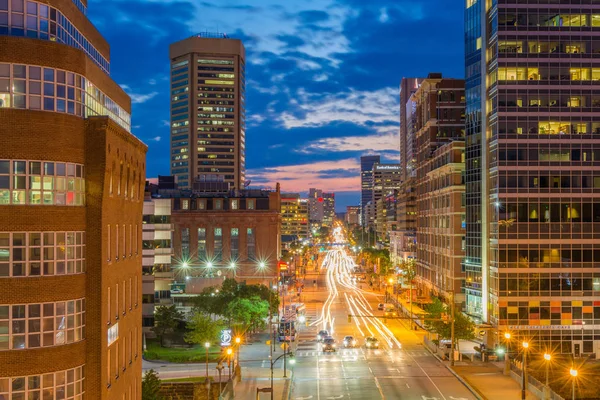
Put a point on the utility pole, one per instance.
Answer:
(452, 328)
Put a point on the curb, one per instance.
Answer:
(473, 391)
(288, 384)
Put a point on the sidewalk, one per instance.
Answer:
(489, 381)
(261, 378)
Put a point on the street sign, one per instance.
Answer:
(225, 337)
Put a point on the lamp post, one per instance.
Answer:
(506, 357)
(238, 342)
(548, 358)
(229, 353)
(573, 373)
(523, 375)
(206, 346)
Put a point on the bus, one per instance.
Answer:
(287, 329)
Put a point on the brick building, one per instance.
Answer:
(218, 235)
(71, 191)
(440, 108)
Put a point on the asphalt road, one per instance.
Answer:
(400, 369)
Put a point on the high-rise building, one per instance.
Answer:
(532, 147)
(321, 208)
(208, 113)
(408, 86)
(366, 184)
(386, 180)
(440, 126)
(71, 192)
(294, 218)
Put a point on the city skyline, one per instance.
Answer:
(312, 99)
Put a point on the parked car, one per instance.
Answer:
(380, 306)
(176, 291)
(328, 344)
(322, 335)
(349, 342)
(371, 342)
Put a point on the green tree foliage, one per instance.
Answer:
(464, 328)
(248, 313)
(214, 302)
(166, 320)
(202, 328)
(377, 257)
(150, 386)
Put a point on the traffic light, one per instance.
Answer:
(349, 318)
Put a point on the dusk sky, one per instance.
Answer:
(322, 76)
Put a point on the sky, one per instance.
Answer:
(322, 77)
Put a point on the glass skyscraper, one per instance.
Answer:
(533, 184)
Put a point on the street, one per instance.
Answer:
(400, 369)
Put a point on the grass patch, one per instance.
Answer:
(180, 355)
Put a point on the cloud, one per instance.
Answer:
(358, 107)
(388, 142)
(334, 176)
(138, 98)
(155, 139)
(383, 15)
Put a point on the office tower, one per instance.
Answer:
(366, 183)
(71, 191)
(386, 179)
(321, 208)
(440, 131)
(208, 113)
(294, 218)
(531, 151)
(328, 208)
(408, 86)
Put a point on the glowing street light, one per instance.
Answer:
(524, 380)
(262, 265)
(548, 358)
(185, 265)
(574, 374)
(232, 265)
(209, 264)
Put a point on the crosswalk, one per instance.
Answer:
(302, 351)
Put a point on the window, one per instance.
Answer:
(117, 243)
(218, 204)
(250, 204)
(234, 244)
(28, 326)
(185, 204)
(108, 243)
(202, 244)
(41, 183)
(234, 204)
(109, 299)
(250, 244)
(68, 384)
(185, 243)
(218, 244)
(41, 253)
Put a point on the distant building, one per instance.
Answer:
(157, 250)
(353, 215)
(321, 208)
(387, 179)
(294, 218)
(208, 122)
(366, 183)
(408, 155)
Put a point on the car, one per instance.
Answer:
(176, 291)
(349, 341)
(390, 312)
(328, 344)
(322, 335)
(371, 343)
(380, 306)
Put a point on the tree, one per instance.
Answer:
(464, 328)
(202, 328)
(165, 321)
(150, 386)
(249, 313)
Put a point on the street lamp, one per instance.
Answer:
(206, 345)
(524, 380)
(209, 264)
(292, 361)
(548, 358)
(574, 374)
(506, 357)
(229, 353)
